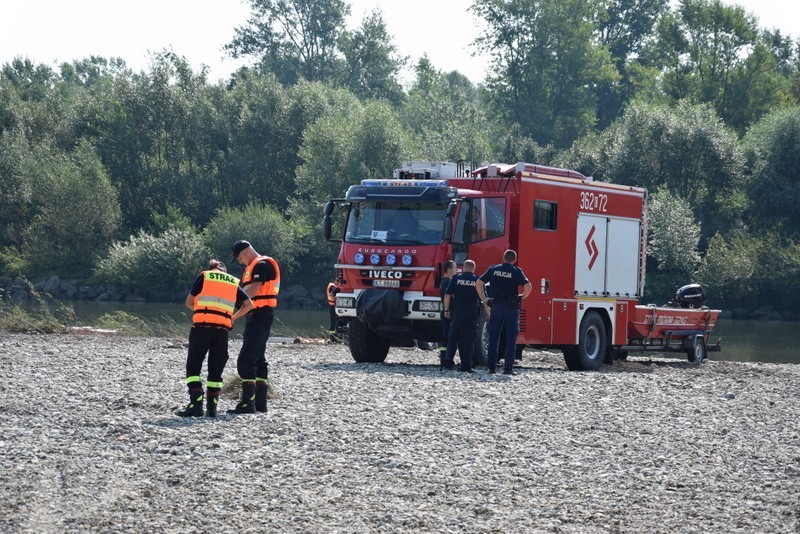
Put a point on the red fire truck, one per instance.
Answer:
(582, 244)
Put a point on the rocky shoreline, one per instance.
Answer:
(89, 443)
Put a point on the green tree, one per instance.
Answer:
(75, 210)
(772, 148)
(689, 151)
(673, 234)
(371, 67)
(293, 39)
(547, 58)
(267, 230)
(445, 115)
(624, 27)
(364, 141)
(729, 268)
(672, 243)
(702, 48)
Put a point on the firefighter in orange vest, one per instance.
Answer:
(331, 290)
(261, 281)
(213, 299)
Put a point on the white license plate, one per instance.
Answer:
(386, 283)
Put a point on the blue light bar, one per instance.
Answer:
(404, 183)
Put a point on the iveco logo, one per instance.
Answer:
(385, 274)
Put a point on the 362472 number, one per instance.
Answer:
(594, 202)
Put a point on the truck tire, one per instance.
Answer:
(589, 353)
(427, 345)
(481, 352)
(365, 345)
(699, 352)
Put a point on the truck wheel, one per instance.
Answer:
(481, 352)
(365, 345)
(589, 353)
(699, 353)
(427, 345)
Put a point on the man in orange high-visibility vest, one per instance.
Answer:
(331, 290)
(261, 281)
(213, 299)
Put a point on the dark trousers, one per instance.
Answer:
(463, 332)
(502, 314)
(334, 320)
(207, 340)
(252, 362)
(445, 339)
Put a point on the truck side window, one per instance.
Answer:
(545, 215)
(487, 219)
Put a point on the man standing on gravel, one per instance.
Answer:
(212, 299)
(462, 307)
(261, 281)
(503, 306)
(449, 271)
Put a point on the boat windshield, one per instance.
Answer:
(396, 223)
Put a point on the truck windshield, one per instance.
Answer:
(396, 223)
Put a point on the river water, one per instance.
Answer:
(745, 341)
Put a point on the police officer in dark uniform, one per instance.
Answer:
(449, 271)
(503, 307)
(462, 306)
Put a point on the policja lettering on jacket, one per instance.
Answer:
(505, 279)
(463, 304)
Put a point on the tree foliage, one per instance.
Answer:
(547, 58)
(74, 210)
(161, 267)
(267, 230)
(773, 152)
(293, 38)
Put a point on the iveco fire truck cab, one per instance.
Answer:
(580, 242)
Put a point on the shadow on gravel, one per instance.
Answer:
(182, 422)
(426, 371)
(648, 366)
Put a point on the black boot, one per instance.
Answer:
(212, 400)
(195, 406)
(247, 404)
(261, 395)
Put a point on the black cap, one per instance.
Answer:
(238, 247)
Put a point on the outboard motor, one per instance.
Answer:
(690, 296)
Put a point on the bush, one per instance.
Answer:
(162, 268)
(123, 322)
(266, 229)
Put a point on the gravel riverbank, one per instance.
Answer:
(88, 442)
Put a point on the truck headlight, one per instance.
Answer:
(345, 302)
(428, 305)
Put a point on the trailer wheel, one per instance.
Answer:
(699, 352)
(589, 353)
(365, 345)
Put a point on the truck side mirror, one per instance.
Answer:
(327, 222)
(448, 222)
